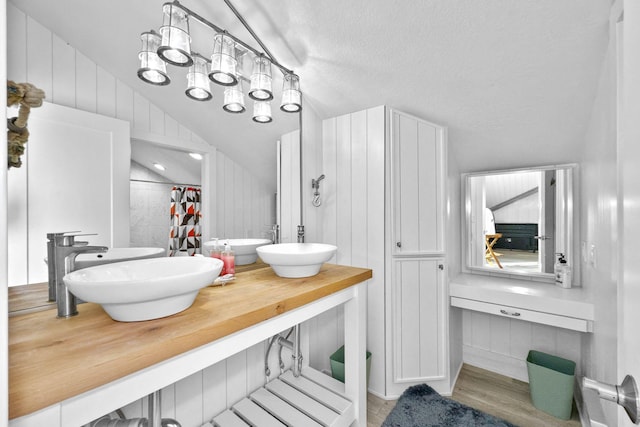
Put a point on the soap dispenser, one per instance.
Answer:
(557, 266)
(216, 250)
(562, 272)
(565, 274)
(228, 260)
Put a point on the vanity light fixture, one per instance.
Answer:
(223, 60)
(197, 81)
(234, 99)
(159, 166)
(196, 156)
(176, 41)
(261, 80)
(291, 96)
(152, 69)
(173, 46)
(262, 111)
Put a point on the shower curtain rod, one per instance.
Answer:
(165, 183)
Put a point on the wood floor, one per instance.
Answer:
(494, 394)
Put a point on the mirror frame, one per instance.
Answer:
(572, 232)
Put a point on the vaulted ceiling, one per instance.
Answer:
(513, 80)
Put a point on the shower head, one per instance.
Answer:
(315, 183)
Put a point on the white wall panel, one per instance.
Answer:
(289, 187)
(236, 378)
(214, 390)
(499, 330)
(312, 168)
(63, 74)
(481, 330)
(343, 189)
(237, 205)
(86, 84)
(141, 113)
(189, 405)
(39, 58)
(171, 127)
(124, 102)
(520, 339)
(105, 93)
(156, 120)
(329, 166)
(375, 245)
(16, 45)
(359, 195)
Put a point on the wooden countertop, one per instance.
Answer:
(51, 360)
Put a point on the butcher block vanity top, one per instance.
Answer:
(51, 359)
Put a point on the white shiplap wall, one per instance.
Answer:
(243, 206)
(289, 187)
(352, 218)
(501, 345)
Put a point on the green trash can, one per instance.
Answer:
(337, 365)
(551, 381)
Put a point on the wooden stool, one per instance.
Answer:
(490, 240)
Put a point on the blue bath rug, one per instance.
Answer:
(422, 406)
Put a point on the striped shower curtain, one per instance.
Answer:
(184, 235)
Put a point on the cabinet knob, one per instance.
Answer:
(441, 266)
(399, 244)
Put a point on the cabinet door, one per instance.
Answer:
(419, 320)
(417, 174)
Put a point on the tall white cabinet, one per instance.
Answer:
(416, 293)
(383, 206)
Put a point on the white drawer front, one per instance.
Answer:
(572, 323)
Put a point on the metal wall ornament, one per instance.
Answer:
(173, 46)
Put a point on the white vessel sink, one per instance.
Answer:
(145, 289)
(117, 255)
(296, 259)
(244, 249)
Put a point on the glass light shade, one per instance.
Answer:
(197, 82)
(234, 99)
(175, 47)
(291, 96)
(262, 111)
(261, 80)
(223, 60)
(152, 69)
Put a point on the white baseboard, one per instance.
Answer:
(454, 380)
(496, 362)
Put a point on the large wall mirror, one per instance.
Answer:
(91, 173)
(82, 172)
(518, 221)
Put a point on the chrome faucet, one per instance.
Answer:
(62, 249)
(275, 234)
